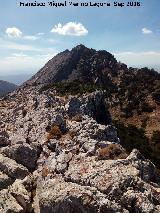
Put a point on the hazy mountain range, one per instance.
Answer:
(16, 79)
(6, 87)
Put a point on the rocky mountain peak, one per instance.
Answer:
(80, 63)
(79, 47)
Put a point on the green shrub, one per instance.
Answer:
(132, 137)
(71, 88)
(146, 107)
(128, 111)
(156, 137)
(156, 96)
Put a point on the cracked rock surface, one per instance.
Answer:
(56, 155)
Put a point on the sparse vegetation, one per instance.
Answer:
(112, 151)
(45, 172)
(55, 132)
(132, 137)
(71, 88)
(156, 96)
(156, 138)
(146, 107)
(72, 133)
(77, 118)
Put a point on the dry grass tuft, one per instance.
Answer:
(72, 134)
(112, 151)
(54, 133)
(45, 172)
(77, 118)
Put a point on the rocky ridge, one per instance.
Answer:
(62, 154)
(56, 157)
(133, 94)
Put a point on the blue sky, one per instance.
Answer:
(29, 36)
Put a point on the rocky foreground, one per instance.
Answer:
(57, 155)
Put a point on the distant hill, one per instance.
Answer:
(16, 79)
(6, 87)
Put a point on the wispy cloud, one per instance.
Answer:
(146, 31)
(20, 47)
(10, 45)
(21, 54)
(40, 34)
(138, 53)
(53, 41)
(31, 38)
(21, 62)
(140, 59)
(70, 28)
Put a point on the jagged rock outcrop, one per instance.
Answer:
(62, 153)
(89, 185)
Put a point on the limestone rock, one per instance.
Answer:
(4, 139)
(56, 195)
(23, 154)
(11, 168)
(5, 181)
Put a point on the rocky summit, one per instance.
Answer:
(59, 149)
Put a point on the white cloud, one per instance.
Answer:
(146, 31)
(70, 28)
(13, 32)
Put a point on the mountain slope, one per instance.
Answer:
(6, 87)
(133, 95)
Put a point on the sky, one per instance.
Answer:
(30, 36)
